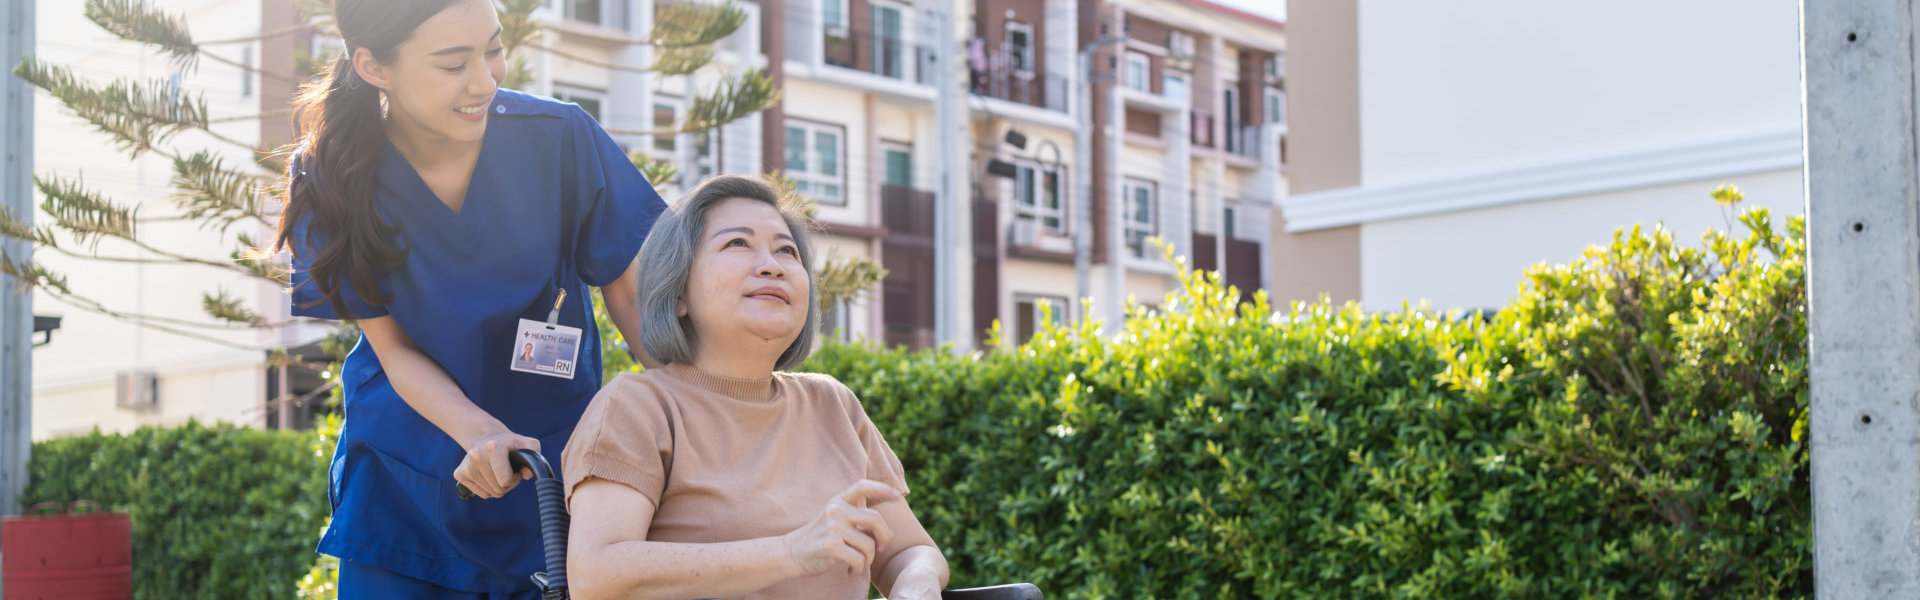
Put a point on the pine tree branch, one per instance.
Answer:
(218, 196)
(86, 215)
(138, 21)
(684, 24)
(89, 217)
(655, 170)
(732, 100)
(517, 27)
(681, 60)
(18, 228)
(841, 281)
(137, 115)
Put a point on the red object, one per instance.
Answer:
(67, 556)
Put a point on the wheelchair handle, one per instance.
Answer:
(553, 520)
(518, 459)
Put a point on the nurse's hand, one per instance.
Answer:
(486, 471)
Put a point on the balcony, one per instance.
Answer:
(1245, 141)
(1046, 91)
(884, 56)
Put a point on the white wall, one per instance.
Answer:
(1476, 259)
(74, 375)
(1451, 88)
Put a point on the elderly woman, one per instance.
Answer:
(721, 474)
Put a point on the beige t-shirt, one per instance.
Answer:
(730, 459)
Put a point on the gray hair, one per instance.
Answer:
(666, 265)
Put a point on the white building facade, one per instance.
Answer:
(1465, 142)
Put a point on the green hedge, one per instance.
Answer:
(1630, 427)
(218, 512)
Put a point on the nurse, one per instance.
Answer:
(461, 226)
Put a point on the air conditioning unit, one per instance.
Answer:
(137, 390)
(1023, 233)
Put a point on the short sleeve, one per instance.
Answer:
(882, 464)
(625, 437)
(307, 299)
(618, 205)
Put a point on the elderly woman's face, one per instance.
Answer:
(747, 277)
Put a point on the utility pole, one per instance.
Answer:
(1863, 293)
(953, 210)
(16, 309)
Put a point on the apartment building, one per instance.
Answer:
(1443, 149)
(1175, 133)
(1187, 146)
(1177, 136)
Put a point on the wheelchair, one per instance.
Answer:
(553, 538)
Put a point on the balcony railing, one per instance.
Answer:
(1047, 91)
(880, 55)
(1245, 141)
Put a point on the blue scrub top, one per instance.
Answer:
(467, 280)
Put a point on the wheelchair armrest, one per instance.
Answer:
(1015, 591)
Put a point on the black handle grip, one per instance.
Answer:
(518, 459)
(553, 518)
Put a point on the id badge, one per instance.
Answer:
(544, 349)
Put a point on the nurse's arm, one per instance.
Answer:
(431, 392)
(623, 306)
(609, 556)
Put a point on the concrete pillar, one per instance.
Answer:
(1863, 219)
(16, 310)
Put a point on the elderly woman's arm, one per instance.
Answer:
(623, 306)
(916, 572)
(609, 555)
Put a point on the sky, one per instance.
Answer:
(1273, 9)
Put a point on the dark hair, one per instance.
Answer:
(666, 265)
(341, 131)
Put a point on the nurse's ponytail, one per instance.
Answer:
(342, 130)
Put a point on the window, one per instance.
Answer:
(1030, 312)
(1140, 216)
(1135, 75)
(889, 40)
(1020, 48)
(704, 151)
(665, 116)
(666, 143)
(1179, 44)
(585, 11)
(1174, 85)
(1036, 197)
(1276, 106)
(814, 159)
(1229, 227)
(1277, 66)
(899, 161)
(833, 15)
(1234, 140)
(588, 100)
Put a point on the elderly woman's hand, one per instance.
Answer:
(845, 533)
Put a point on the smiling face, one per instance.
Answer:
(441, 81)
(748, 282)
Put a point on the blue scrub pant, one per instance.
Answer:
(361, 581)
